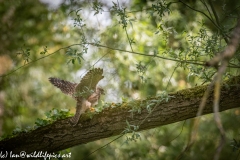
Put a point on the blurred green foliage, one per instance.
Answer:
(145, 48)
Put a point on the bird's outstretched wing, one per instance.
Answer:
(65, 86)
(89, 82)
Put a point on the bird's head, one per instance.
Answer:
(99, 89)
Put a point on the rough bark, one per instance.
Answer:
(112, 120)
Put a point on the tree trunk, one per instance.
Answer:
(112, 120)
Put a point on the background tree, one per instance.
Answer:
(168, 44)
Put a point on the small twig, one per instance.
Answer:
(194, 132)
(125, 28)
(201, 63)
(38, 60)
(214, 12)
(204, 3)
(217, 118)
(104, 145)
(217, 20)
(230, 49)
(201, 13)
(128, 39)
(179, 133)
(171, 75)
(149, 55)
(223, 58)
(226, 55)
(200, 110)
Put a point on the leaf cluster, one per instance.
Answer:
(51, 116)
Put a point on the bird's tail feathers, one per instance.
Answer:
(81, 108)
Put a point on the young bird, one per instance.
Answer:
(86, 93)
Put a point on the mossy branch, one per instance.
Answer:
(112, 120)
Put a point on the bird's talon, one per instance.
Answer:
(92, 109)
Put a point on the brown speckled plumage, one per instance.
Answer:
(86, 93)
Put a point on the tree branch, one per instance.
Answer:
(112, 120)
